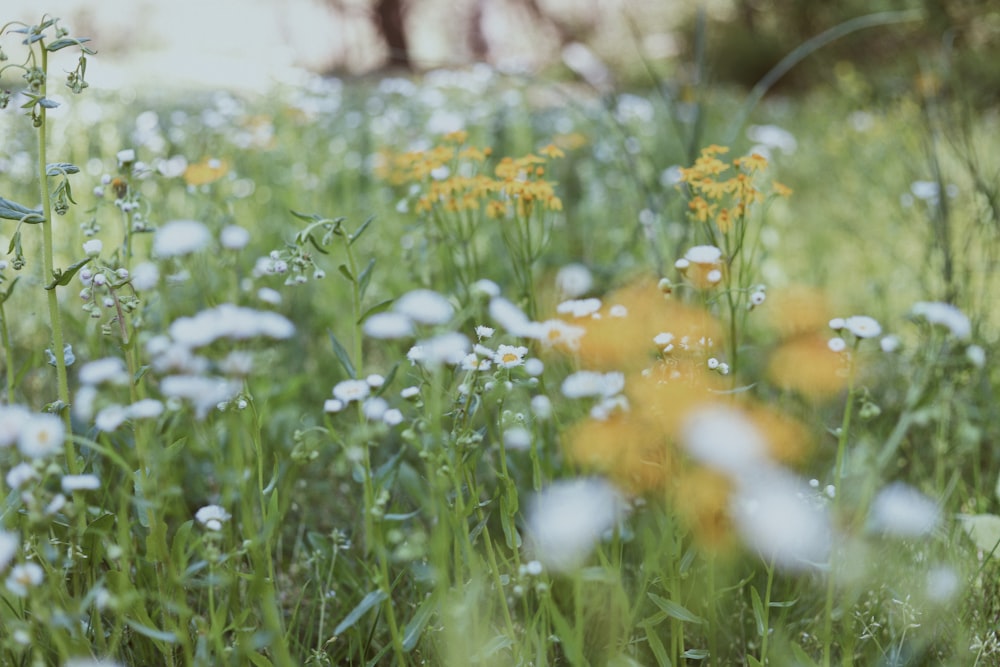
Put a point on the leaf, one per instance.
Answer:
(498, 643)
(675, 610)
(369, 601)
(379, 307)
(802, 657)
(984, 529)
(152, 633)
(308, 217)
(656, 646)
(6, 294)
(63, 277)
(346, 272)
(365, 277)
(64, 42)
(14, 211)
(360, 230)
(413, 629)
(56, 168)
(754, 662)
(345, 359)
(758, 610)
(695, 654)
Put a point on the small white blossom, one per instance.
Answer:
(375, 380)
(889, 343)
(486, 287)
(212, 517)
(579, 307)
(20, 475)
(180, 237)
(388, 326)
(534, 367)
(12, 418)
(837, 323)
(409, 392)
(424, 306)
(145, 276)
(93, 247)
(110, 369)
(901, 510)
(837, 344)
(447, 348)
(976, 355)
(541, 406)
(591, 383)
(23, 578)
(517, 438)
(145, 408)
(126, 156)
(351, 390)
(703, 254)
(72, 483)
(333, 405)
(566, 519)
(392, 417)
(110, 418)
(574, 280)
(234, 237)
(484, 332)
(945, 315)
(863, 326)
(374, 408)
(509, 356)
(41, 435)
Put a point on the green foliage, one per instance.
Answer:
(208, 502)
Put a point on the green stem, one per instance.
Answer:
(48, 268)
(8, 353)
(838, 474)
(765, 622)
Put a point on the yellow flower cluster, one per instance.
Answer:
(641, 448)
(717, 196)
(516, 187)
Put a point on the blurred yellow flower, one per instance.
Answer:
(207, 171)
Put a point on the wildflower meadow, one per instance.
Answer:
(466, 368)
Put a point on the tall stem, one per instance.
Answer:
(48, 267)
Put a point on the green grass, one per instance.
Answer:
(496, 519)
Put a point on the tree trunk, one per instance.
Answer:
(389, 15)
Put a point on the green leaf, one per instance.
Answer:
(984, 529)
(56, 168)
(152, 633)
(360, 230)
(14, 211)
(64, 42)
(675, 610)
(369, 601)
(758, 610)
(365, 277)
(10, 288)
(63, 277)
(656, 646)
(308, 217)
(379, 307)
(754, 662)
(342, 356)
(695, 654)
(346, 272)
(490, 648)
(413, 629)
(802, 657)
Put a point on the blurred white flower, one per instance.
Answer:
(945, 315)
(23, 578)
(388, 326)
(229, 321)
(592, 383)
(41, 435)
(574, 280)
(517, 437)
(773, 136)
(110, 417)
(145, 276)
(99, 371)
(903, 511)
(180, 237)
(12, 417)
(234, 237)
(579, 307)
(80, 483)
(774, 515)
(20, 474)
(565, 521)
(424, 306)
(724, 438)
(447, 348)
(204, 392)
